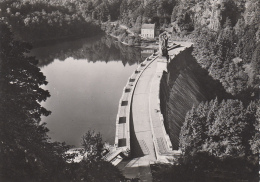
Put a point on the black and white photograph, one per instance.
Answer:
(129, 90)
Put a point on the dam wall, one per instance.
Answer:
(185, 84)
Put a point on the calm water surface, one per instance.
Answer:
(86, 79)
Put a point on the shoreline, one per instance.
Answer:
(150, 46)
(116, 37)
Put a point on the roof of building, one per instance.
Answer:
(148, 26)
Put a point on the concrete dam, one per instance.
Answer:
(140, 125)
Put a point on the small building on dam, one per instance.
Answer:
(148, 31)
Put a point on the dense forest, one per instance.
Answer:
(219, 139)
(45, 19)
(231, 56)
(39, 20)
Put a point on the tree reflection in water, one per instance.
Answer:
(98, 48)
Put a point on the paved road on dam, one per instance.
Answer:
(141, 136)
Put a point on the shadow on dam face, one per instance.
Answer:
(136, 150)
(186, 84)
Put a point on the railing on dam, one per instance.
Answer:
(122, 138)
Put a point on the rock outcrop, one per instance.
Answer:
(213, 13)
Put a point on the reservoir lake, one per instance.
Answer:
(85, 80)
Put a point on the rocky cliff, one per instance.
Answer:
(213, 13)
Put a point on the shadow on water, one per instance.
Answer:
(186, 84)
(98, 48)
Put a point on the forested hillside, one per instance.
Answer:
(221, 129)
(39, 20)
(220, 142)
(34, 20)
(231, 54)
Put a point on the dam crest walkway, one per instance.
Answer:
(140, 130)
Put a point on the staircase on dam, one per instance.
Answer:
(140, 130)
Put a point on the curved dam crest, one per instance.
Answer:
(140, 130)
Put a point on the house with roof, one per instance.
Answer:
(148, 31)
